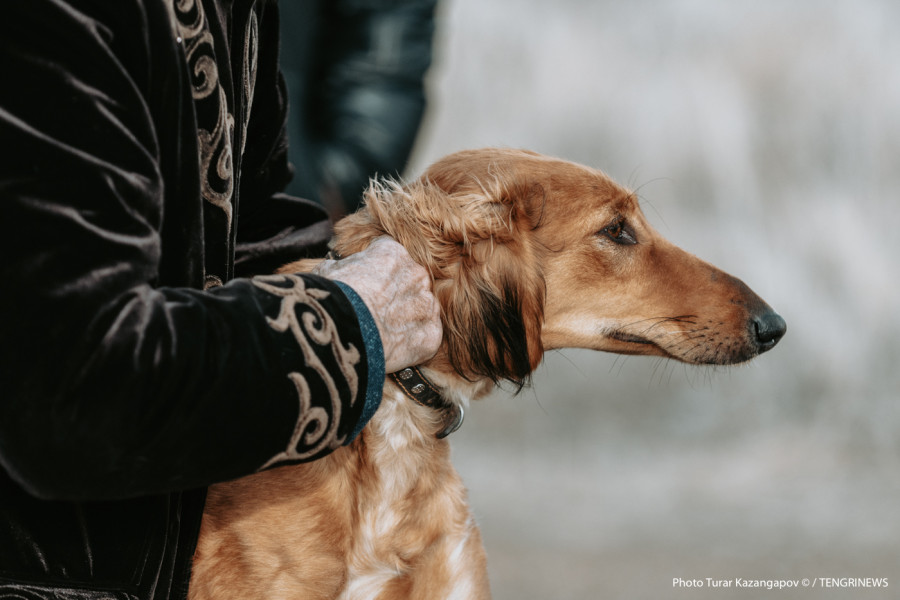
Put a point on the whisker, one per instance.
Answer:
(661, 320)
(619, 361)
(571, 362)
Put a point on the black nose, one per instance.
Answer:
(768, 328)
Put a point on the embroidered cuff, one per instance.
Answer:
(374, 356)
(322, 358)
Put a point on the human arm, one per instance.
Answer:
(114, 383)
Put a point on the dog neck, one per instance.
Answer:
(418, 388)
(423, 422)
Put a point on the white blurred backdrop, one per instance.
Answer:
(764, 137)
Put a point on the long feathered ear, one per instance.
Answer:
(492, 318)
(476, 242)
(493, 301)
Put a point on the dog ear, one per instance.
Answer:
(477, 245)
(493, 298)
(492, 313)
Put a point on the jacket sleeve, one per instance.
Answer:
(112, 385)
(362, 93)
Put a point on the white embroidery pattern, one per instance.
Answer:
(314, 430)
(216, 157)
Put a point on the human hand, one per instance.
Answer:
(397, 291)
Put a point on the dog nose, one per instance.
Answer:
(768, 328)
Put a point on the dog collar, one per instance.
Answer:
(417, 387)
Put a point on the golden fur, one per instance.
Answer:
(528, 253)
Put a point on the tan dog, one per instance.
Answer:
(528, 253)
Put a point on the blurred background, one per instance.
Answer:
(765, 138)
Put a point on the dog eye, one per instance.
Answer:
(620, 233)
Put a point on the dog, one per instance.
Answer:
(528, 253)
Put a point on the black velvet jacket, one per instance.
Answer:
(142, 158)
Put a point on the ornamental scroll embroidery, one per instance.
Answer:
(215, 127)
(302, 314)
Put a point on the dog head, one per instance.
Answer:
(530, 253)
